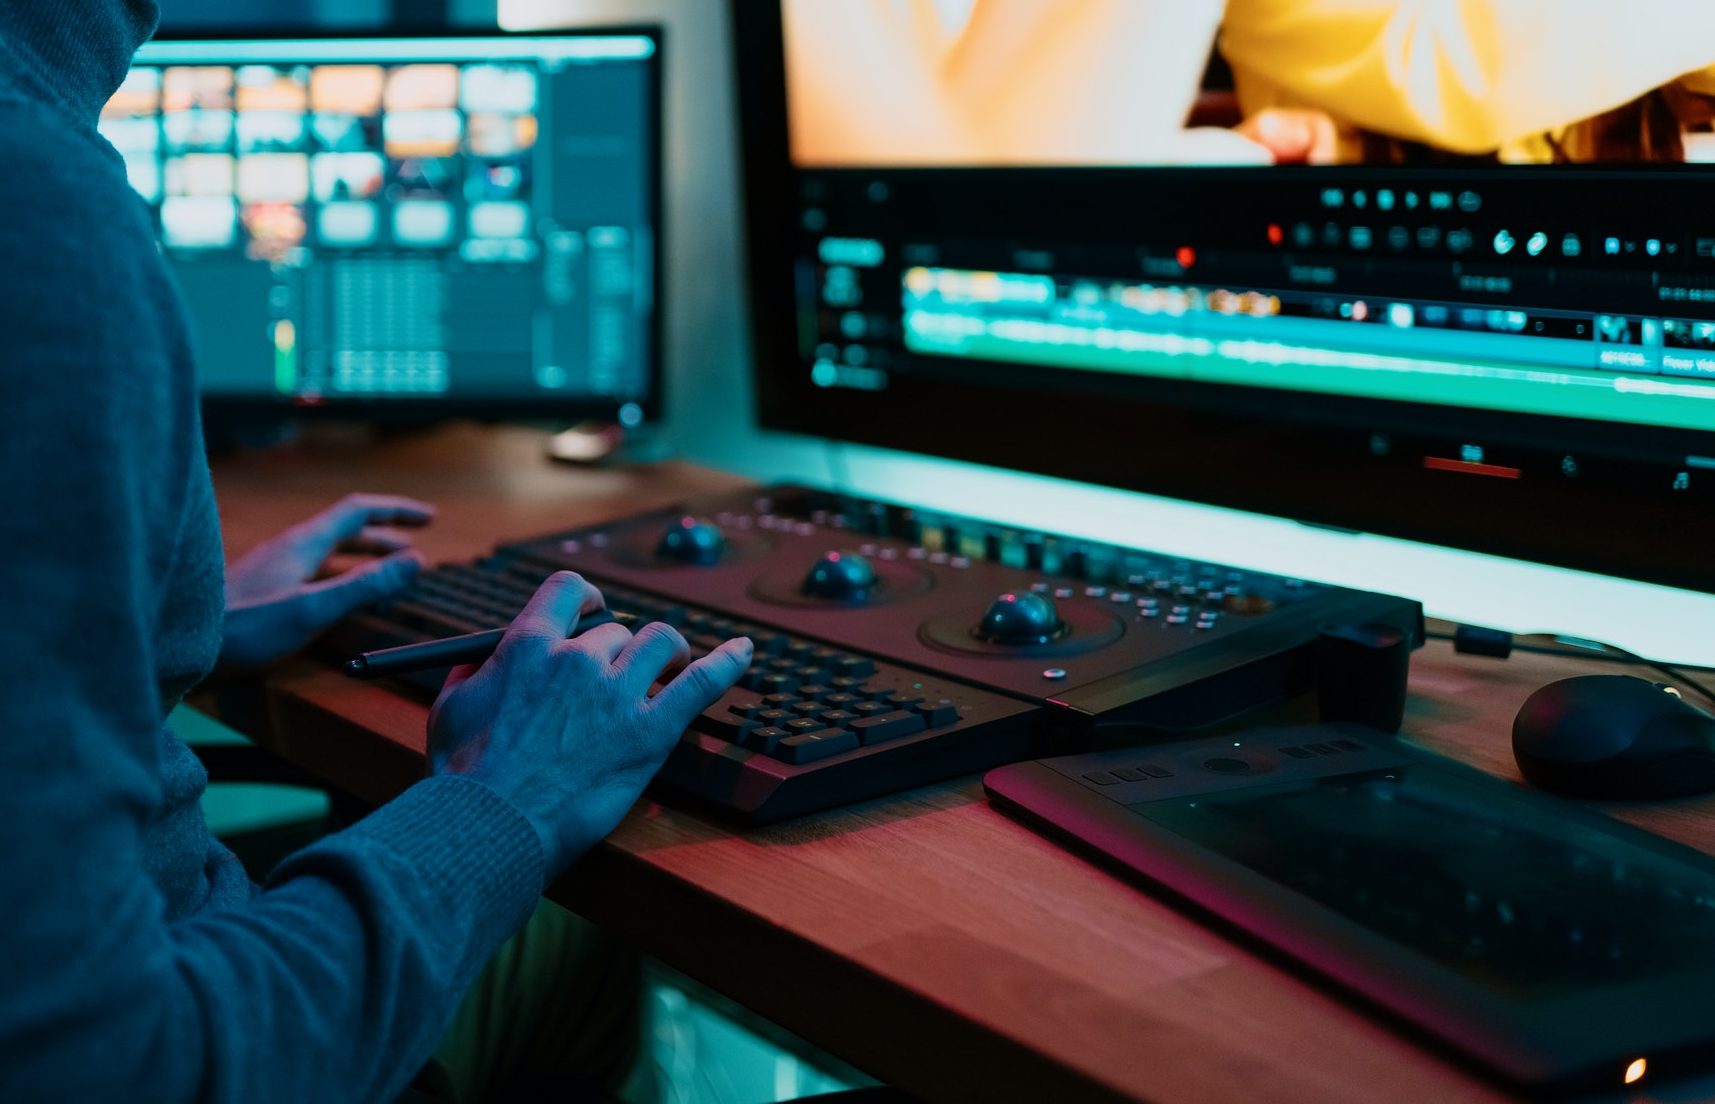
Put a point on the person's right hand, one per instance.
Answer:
(566, 730)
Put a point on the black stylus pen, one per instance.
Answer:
(454, 650)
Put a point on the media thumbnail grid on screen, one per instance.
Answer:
(273, 157)
(404, 219)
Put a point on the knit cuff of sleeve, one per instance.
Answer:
(468, 845)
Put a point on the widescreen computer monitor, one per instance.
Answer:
(1441, 271)
(408, 226)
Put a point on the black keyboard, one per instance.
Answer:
(803, 707)
(854, 698)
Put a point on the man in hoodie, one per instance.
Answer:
(140, 962)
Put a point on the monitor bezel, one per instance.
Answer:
(1292, 468)
(546, 407)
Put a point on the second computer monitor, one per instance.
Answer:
(412, 226)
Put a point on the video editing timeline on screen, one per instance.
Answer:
(897, 648)
(404, 219)
(1491, 297)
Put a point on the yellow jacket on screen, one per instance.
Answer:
(1468, 76)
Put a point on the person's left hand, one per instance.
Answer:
(275, 604)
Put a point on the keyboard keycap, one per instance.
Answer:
(887, 726)
(837, 718)
(727, 727)
(854, 667)
(814, 746)
(779, 701)
(813, 691)
(806, 708)
(841, 701)
(939, 714)
(800, 725)
(421, 616)
(1129, 774)
(773, 717)
(871, 708)
(766, 739)
(903, 700)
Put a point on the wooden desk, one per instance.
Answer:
(925, 938)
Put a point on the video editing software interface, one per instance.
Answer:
(1486, 214)
(468, 219)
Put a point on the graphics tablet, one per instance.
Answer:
(1554, 948)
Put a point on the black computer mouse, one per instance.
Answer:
(1616, 738)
